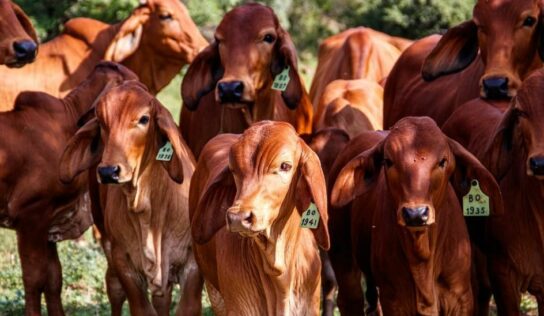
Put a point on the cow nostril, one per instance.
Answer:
(25, 50)
(417, 216)
(109, 174)
(231, 91)
(496, 87)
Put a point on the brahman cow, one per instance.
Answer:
(249, 196)
(357, 53)
(509, 141)
(144, 169)
(249, 73)
(18, 40)
(436, 75)
(404, 227)
(155, 41)
(33, 201)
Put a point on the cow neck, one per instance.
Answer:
(157, 72)
(263, 108)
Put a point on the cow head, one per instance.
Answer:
(520, 133)
(508, 34)
(272, 171)
(419, 162)
(250, 49)
(18, 40)
(160, 28)
(129, 129)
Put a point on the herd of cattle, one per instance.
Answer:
(273, 198)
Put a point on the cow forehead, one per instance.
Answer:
(486, 8)
(416, 138)
(246, 20)
(122, 102)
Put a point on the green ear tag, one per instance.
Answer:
(475, 203)
(310, 218)
(165, 153)
(281, 81)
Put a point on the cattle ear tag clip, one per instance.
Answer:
(165, 153)
(281, 81)
(310, 217)
(476, 202)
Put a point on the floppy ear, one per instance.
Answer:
(455, 51)
(201, 77)
(83, 151)
(311, 187)
(25, 22)
(357, 176)
(169, 132)
(468, 168)
(499, 150)
(127, 40)
(286, 56)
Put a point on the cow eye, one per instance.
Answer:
(143, 120)
(387, 162)
(529, 21)
(285, 167)
(443, 163)
(269, 38)
(165, 16)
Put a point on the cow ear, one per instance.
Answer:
(286, 56)
(128, 38)
(499, 150)
(83, 151)
(202, 76)
(455, 51)
(25, 22)
(357, 176)
(208, 211)
(468, 168)
(311, 187)
(169, 132)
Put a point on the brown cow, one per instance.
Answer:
(351, 105)
(509, 141)
(436, 75)
(33, 201)
(155, 42)
(247, 196)
(146, 211)
(358, 53)
(229, 84)
(405, 221)
(18, 40)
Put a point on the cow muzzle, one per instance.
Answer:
(495, 88)
(230, 91)
(25, 52)
(416, 216)
(240, 222)
(109, 174)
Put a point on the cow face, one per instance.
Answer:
(508, 34)
(521, 131)
(18, 40)
(273, 172)
(162, 28)
(418, 162)
(250, 49)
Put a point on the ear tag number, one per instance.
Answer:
(281, 81)
(165, 153)
(476, 202)
(310, 217)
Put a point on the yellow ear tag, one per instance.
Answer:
(281, 81)
(476, 202)
(165, 153)
(310, 217)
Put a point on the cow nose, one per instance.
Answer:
(239, 221)
(25, 51)
(537, 165)
(109, 174)
(417, 216)
(231, 91)
(496, 87)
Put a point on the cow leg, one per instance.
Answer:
(133, 286)
(328, 284)
(505, 291)
(116, 294)
(41, 270)
(190, 302)
(162, 303)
